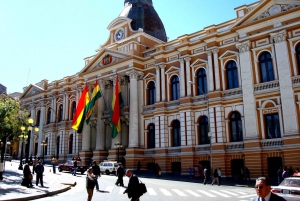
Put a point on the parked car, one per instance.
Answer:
(108, 167)
(8, 157)
(289, 188)
(69, 166)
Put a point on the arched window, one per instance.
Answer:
(298, 57)
(176, 134)
(38, 116)
(266, 67)
(70, 143)
(151, 93)
(73, 110)
(203, 130)
(201, 82)
(175, 88)
(232, 75)
(151, 136)
(236, 127)
(48, 115)
(60, 113)
(272, 126)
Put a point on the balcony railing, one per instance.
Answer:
(149, 152)
(148, 108)
(272, 142)
(174, 150)
(266, 85)
(296, 80)
(204, 147)
(234, 145)
(232, 92)
(173, 103)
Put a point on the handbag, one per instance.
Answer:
(142, 188)
(30, 177)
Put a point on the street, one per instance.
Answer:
(158, 189)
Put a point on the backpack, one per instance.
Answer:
(142, 188)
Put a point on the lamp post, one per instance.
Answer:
(209, 134)
(118, 146)
(22, 137)
(43, 144)
(36, 129)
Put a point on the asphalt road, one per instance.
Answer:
(158, 189)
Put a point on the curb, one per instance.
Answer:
(43, 195)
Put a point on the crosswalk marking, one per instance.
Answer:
(228, 192)
(193, 193)
(222, 194)
(179, 192)
(246, 196)
(121, 190)
(206, 193)
(243, 193)
(151, 191)
(109, 188)
(165, 192)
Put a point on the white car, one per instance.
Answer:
(108, 167)
(289, 188)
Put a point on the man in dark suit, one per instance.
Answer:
(133, 185)
(263, 191)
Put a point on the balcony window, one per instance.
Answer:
(232, 75)
(236, 127)
(266, 67)
(203, 130)
(272, 126)
(176, 134)
(151, 93)
(151, 136)
(202, 82)
(175, 88)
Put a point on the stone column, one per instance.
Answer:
(188, 76)
(216, 64)
(190, 128)
(41, 126)
(248, 92)
(182, 79)
(53, 110)
(86, 138)
(157, 87)
(133, 114)
(289, 111)
(163, 83)
(100, 139)
(66, 106)
(210, 76)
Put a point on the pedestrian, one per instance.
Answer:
(190, 171)
(291, 171)
(247, 174)
(200, 169)
(216, 177)
(30, 160)
(27, 180)
(54, 161)
(39, 169)
(133, 185)
(241, 175)
(196, 172)
(219, 176)
(14, 155)
(263, 191)
(138, 169)
(96, 172)
(120, 174)
(35, 162)
(158, 170)
(90, 183)
(205, 175)
(285, 173)
(75, 166)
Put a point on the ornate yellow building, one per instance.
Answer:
(236, 83)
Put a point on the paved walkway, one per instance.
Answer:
(11, 189)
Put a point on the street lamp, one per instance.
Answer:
(209, 134)
(22, 137)
(43, 144)
(36, 129)
(118, 146)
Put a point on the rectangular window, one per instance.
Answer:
(272, 126)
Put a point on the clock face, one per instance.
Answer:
(119, 34)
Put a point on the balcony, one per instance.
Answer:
(149, 152)
(267, 86)
(234, 145)
(148, 108)
(174, 150)
(232, 92)
(277, 142)
(296, 80)
(202, 148)
(173, 103)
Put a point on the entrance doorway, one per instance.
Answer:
(207, 165)
(274, 163)
(176, 168)
(236, 166)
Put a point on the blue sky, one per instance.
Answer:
(48, 39)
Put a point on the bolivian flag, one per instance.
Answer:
(78, 120)
(96, 95)
(115, 110)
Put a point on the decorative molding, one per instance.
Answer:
(135, 74)
(266, 85)
(243, 47)
(279, 37)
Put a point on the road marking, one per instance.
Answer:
(179, 192)
(228, 192)
(245, 196)
(151, 191)
(165, 192)
(222, 194)
(193, 193)
(121, 190)
(206, 193)
(109, 188)
(243, 193)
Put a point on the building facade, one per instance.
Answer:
(226, 96)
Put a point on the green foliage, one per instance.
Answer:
(12, 117)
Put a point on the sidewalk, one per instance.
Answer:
(11, 189)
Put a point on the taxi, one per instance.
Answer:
(289, 188)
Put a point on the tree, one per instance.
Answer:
(12, 117)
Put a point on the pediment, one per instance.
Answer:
(120, 21)
(199, 62)
(227, 54)
(32, 89)
(266, 9)
(172, 69)
(149, 75)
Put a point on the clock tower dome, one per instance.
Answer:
(143, 15)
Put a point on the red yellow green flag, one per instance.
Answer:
(115, 109)
(79, 117)
(95, 96)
